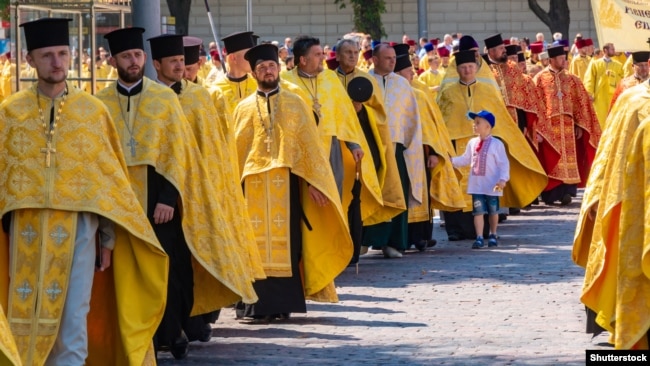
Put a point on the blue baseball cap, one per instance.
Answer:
(485, 115)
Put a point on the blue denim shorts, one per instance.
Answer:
(483, 204)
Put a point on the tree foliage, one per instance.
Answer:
(4, 9)
(367, 16)
(557, 18)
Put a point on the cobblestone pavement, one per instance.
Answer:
(517, 304)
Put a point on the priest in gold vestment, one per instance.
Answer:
(168, 53)
(237, 83)
(376, 133)
(341, 134)
(292, 199)
(66, 190)
(600, 81)
(443, 190)
(169, 176)
(632, 320)
(597, 240)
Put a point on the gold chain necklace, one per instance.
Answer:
(132, 143)
(314, 96)
(49, 130)
(269, 130)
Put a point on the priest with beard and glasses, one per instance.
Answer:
(173, 186)
(292, 198)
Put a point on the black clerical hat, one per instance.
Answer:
(125, 39)
(46, 32)
(466, 43)
(360, 89)
(493, 41)
(402, 62)
(238, 41)
(640, 56)
(166, 45)
(463, 57)
(256, 39)
(401, 49)
(555, 51)
(512, 49)
(263, 52)
(521, 57)
(192, 47)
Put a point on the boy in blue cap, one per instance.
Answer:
(490, 170)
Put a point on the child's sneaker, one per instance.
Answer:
(478, 243)
(492, 241)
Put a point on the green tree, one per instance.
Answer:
(557, 18)
(367, 16)
(4, 9)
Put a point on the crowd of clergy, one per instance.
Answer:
(252, 173)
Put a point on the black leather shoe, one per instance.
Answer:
(454, 237)
(206, 333)
(181, 347)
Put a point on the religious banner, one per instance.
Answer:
(626, 23)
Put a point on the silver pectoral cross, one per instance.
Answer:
(268, 142)
(560, 94)
(132, 144)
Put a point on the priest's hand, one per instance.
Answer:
(357, 154)
(162, 213)
(578, 131)
(432, 161)
(318, 197)
(540, 138)
(105, 259)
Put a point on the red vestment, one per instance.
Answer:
(567, 105)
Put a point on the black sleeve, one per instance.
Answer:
(168, 194)
(6, 222)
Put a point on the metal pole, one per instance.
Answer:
(93, 51)
(146, 14)
(249, 15)
(214, 34)
(423, 26)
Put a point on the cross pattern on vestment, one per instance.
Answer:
(256, 182)
(278, 220)
(21, 179)
(54, 290)
(277, 181)
(78, 183)
(256, 221)
(59, 234)
(48, 150)
(132, 144)
(29, 234)
(21, 142)
(80, 144)
(25, 290)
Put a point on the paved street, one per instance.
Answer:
(513, 305)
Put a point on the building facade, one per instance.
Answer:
(274, 20)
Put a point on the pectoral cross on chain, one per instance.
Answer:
(560, 94)
(268, 142)
(48, 150)
(132, 144)
(316, 107)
